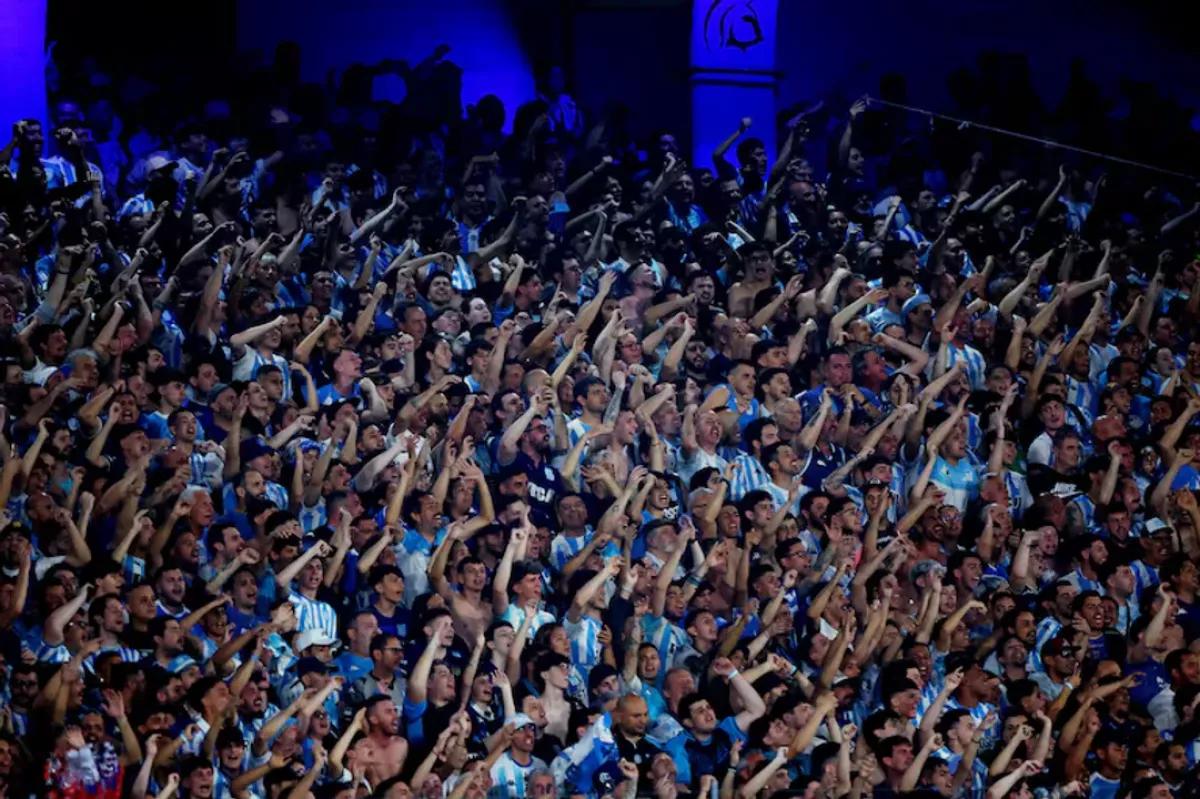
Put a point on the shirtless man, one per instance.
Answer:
(759, 264)
(472, 612)
(383, 728)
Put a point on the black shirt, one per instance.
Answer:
(640, 754)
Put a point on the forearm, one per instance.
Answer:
(1012, 299)
(56, 622)
(284, 578)
(1000, 764)
(1041, 320)
(308, 343)
(843, 317)
(251, 334)
(828, 294)
(362, 322)
(811, 433)
(805, 735)
(338, 753)
(999, 200)
(1048, 203)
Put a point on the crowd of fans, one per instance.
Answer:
(458, 464)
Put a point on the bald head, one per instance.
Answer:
(632, 715)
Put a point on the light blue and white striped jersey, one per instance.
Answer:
(1047, 628)
(586, 648)
(250, 726)
(313, 614)
(974, 363)
(910, 234)
(564, 547)
(462, 278)
(246, 368)
(667, 636)
(978, 714)
(576, 429)
(1019, 498)
(468, 235)
(60, 172)
(412, 557)
(1144, 576)
(137, 205)
(688, 466)
(125, 654)
(780, 495)
(312, 516)
(206, 469)
(509, 777)
(1077, 579)
(53, 653)
(1087, 511)
(1083, 394)
(1127, 614)
(750, 474)
(516, 617)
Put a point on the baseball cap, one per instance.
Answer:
(1156, 525)
(520, 720)
(312, 638)
(156, 163)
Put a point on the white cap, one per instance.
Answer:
(1156, 524)
(520, 720)
(312, 638)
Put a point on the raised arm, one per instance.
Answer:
(1052, 198)
(722, 167)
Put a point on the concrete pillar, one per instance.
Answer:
(732, 72)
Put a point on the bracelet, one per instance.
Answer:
(693, 580)
(732, 674)
(159, 305)
(1069, 684)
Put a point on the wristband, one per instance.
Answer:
(732, 674)
(793, 671)
(1069, 684)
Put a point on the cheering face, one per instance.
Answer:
(383, 717)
